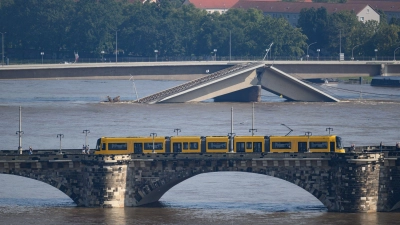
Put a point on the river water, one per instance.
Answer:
(366, 116)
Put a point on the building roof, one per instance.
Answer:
(212, 4)
(296, 7)
(386, 6)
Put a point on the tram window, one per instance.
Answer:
(177, 147)
(257, 147)
(117, 146)
(185, 145)
(249, 145)
(157, 146)
(217, 145)
(103, 147)
(281, 145)
(319, 145)
(194, 145)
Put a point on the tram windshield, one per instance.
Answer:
(339, 142)
(98, 144)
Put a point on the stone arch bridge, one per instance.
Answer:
(353, 182)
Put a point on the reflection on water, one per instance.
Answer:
(50, 107)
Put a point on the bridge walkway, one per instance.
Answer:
(154, 98)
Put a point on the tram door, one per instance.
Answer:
(302, 147)
(332, 146)
(240, 147)
(138, 148)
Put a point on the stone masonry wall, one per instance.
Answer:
(342, 182)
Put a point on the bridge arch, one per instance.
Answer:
(44, 180)
(314, 180)
(237, 189)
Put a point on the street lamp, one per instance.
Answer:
(155, 52)
(116, 45)
(102, 56)
(376, 54)
(153, 135)
(308, 133)
(215, 54)
(87, 132)
(352, 58)
(60, 136)
(20, 132)
(318, 50)
(177, 130)
(42, 53)
(308, 46)
(394, 54)
(329, 129)
(267, 50)
(2, 48)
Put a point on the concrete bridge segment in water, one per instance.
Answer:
(354, 182)
(242, 82)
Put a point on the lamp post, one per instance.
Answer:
(156, 52)
(394, 54)
(2, 48)
(116, 45)
(153, 135)
(215, 54)
(352, 57)
(308, 134)
(102, 56)
(329, 129)
(252, 123)
(134, 87)
(60, 136)
(20, 132)
(308, 46)
(86, 133)
(318, 50)
(230, 45)
(177, 130)
(376, 54)
(42, 53)
(267, 50)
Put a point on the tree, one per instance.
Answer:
(314, 24)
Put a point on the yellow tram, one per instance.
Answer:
(218, 144)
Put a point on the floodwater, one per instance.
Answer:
(366, 116)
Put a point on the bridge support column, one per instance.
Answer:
(356, 183)
(104, 182)
(250, 94)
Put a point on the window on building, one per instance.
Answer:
(362, 19)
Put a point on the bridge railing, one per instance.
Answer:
(197, 58)
(193, 83)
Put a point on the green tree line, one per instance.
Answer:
(342, 32)
(61, 27)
